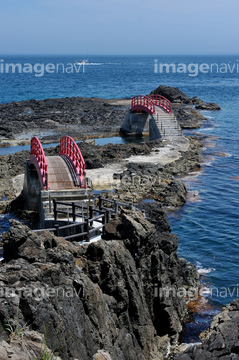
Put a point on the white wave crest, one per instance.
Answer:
(204, 271)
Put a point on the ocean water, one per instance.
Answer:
(208, 225)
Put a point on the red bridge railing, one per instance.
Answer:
(161, 101)
(70, 149)
(38, 158)
(142, 102)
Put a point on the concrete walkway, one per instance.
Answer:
(102, 178)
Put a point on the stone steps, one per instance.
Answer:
(167, 123)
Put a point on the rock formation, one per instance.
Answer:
(175, 95)
(100, 295)
(209, 106)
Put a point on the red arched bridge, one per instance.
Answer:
(148, 103)
(65, 171)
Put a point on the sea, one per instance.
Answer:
(208, 225)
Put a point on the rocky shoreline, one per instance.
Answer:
(79, 117)
(115, 300)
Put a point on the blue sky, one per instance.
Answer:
(124, 27)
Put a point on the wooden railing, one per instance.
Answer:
(161, 101)
(86, 213)
(70, 149)
(115, 205)
(142, 102)
(85, 229)
(38, 159)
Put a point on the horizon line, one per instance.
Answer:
(82, 55)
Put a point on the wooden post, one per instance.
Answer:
(107, 215)
(54, 208)
(50, 204)
(104, 218)
(91, 214)
(115, 206)
(88, 205)
(57, 231)
(100, 202)
(73, 211)
(87, 229)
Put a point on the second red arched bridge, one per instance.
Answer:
(151, 115)
(148, 103)
(66, 171)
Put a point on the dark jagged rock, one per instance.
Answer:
(209, 106)
(157, 262)
(175, 95)
(157, 215)
(98, 295)
(221, 341)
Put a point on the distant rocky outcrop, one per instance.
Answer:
(100, 295)
(187, 116)
(175, 95)
(208, 106)
(221, 341)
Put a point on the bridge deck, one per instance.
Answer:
(60, 174)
